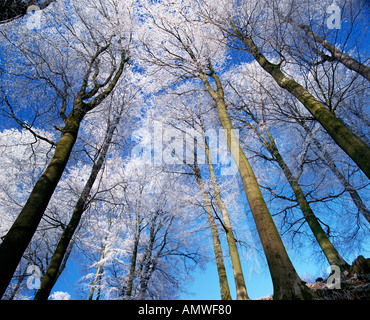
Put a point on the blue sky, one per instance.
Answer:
(205, 285)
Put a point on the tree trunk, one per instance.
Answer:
(326, 246)
(131, 276)
(100, 268)
(361, 206)
(52, 271)
(336, 54)
(355, 148)
(224, 285)
(20, 234)
(241, 289)
(287, 284)
(147, 267)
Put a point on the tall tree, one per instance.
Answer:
(91, 94)
(284, 91)
(356, 149)
(53, 269)
(224, 285)
(100, 266)
(196, 61)
(241, 290)
(287, 284)
(192, 124)
(323, 240)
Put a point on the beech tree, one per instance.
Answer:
(224, 286)
(141, 140)
(349, 142)
(53, 269)
(287, 284)
(260, 126)
(168, 120)
(86, 99)
(146, 237)
(27, 157)
(191, 126)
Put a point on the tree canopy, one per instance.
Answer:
(144, 140)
